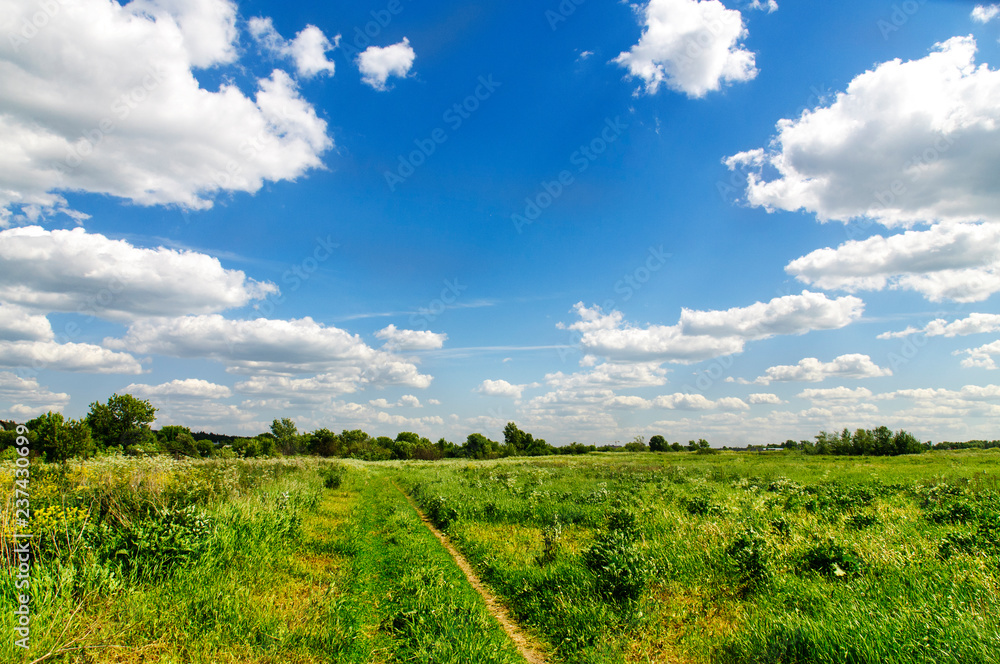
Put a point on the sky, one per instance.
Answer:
(743, 221)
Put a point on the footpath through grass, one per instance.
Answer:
(735, 557)
(265, 561)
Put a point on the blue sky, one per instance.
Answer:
(743, 221)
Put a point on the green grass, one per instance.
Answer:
(735, 557)
(608, 558)
(162, 561)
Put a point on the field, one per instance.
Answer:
(682, 557)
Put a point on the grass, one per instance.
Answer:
(608, 558)
(163, 561)
(735, 557)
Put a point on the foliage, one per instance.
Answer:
(122, 422)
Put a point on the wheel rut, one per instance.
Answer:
(528, 647)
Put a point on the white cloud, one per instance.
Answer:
(908, 142)
(765, 398)
(973, 324)
(409, 401)
(342, 361)
(84, 358)
(28, 398)
(770, 6)
(396, 339)
(958, 262)
(378, 63)
(841, 395)
(701, 335)
(692, 46)
(88, 273)
(189, 388)
(981, 357)
(812, 370)
(500, 388)
(17, 324)
(307, 50)
(970, 401)
(985, 13)
(103, 99)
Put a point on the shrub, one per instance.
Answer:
(749, 554)
(618, 565)
(832, 559)
(333, 475)
(624, 521)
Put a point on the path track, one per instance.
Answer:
(527, 646)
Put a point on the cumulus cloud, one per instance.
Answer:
(28, 397)
(396, 339)
(88, 273)
(308, 49)
(840, 395)
(701, 335)
(981, 357)
(973, 324)
(691, 46)
(908, 142)
(189, 388)
(985, 13)
(812, 370)
(18, 324)
(75, 357)
(378, 63)
(104, 100)
(499, 388)
(969, 401)
(958, 262)
(272, 349)
(765, 398)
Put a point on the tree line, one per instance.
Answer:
(124, 424)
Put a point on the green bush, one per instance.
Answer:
(333, 475)
(749, 554)
(618, 565)
(832, 559)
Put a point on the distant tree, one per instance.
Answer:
(478, 446)
(123, 421)
(178, 441)
(638, 444)
(324, 442)
(676, 447)
(60, 439)
(287, 436)
(658, 444)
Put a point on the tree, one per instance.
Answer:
(61, 439)
(658, 444)
(123, 421)
(178, 441)
(287, 435)
(478, 446)
(638, 444)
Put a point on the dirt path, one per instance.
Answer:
(528, 648)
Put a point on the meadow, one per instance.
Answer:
(683, 557)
